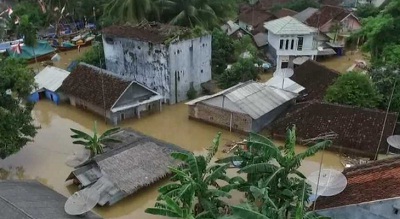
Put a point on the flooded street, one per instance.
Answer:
(44, 158)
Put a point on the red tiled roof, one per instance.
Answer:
(325, 14)
(86, 83)
(256, 18)
(365, 183)
(150, 32)
(315, 78)
(284, 12)
(358, 129)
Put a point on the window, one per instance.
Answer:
(109, 40)
(284, 64)
(287, 45)
(122, 116)
(300, 43)
(201, 71)
(139, 47)
(281, 44)
(292, 44)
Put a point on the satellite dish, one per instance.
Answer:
(82, 202)
(327, 182)
(300, 60)
(78, 158)
(284, 73)
(394, 141)
(320, 48)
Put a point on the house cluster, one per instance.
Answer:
(284, 35)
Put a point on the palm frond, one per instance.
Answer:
(109, 132)
(246, 212)
(162, 212)
(80, 134)
(259, 168)
(214, 148)
(216, 173)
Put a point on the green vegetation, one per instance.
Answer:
(222, 51)
(94, 143)
(355, 89)
(241, 71)
(298, 5)
(387, 80)
(273, 189)
(381, 34)
(94, 56)
(191, 93)
(16, 123)
(367, 10)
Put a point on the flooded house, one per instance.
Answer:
(371, 193)
(358, 130)
(48, 82)
(124, 168)
(106, 94)
(245, 107)
(252, 19)
(167, 59)
(29, 199)
(288, 38)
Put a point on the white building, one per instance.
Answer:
(288, 38)
(163, 57)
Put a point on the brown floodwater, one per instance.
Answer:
(44, 158)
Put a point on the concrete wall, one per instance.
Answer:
(79, 103)
(159, 67)
(220, 117)
(189, 62)
(383, 209)
(141, 61)
(273, 40)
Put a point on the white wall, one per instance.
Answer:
(273, 40)
(190, 61)
(309, 45)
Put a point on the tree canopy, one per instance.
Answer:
(387, 80)
(355, 89)
(16, 123)
(381, 33)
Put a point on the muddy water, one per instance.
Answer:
(342, 63)
(43, 159)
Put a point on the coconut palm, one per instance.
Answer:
(195, 192)
(132, 11)
(94, 143)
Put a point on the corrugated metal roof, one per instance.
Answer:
(288, 84)
(261, 39)
(230, 27)
(302, 16)
(206, 97)
(50, 78)
(288, 25)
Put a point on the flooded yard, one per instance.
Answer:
(44, 158)
(342, 63)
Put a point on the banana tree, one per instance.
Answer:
(195, 188)
(96, 142)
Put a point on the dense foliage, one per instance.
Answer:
(222, 51)
(241, 71)
(94, 56)
(355, 89)
(274, 190)
(380, 33)
(16, 123)
(367, 10)
(387, 80)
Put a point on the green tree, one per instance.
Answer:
(241, 71)
(128, 10)
(94, 143)
(195, 192)
(16, 123)
(355, 89)
(367, 10)
(29, 31)
(94, 56)
(381, 32)
(222, 51)
(387, 80)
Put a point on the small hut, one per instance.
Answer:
(126, 167)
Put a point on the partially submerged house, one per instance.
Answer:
(246, 107)
(358, 130)
(288, 38)
(167, 59)
(371, 193)
(335, 21)
(104, 93)
(48, 82)
(233, 30)
(315, 78)
(29, 199)
(124, 168)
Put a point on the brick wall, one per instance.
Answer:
(221, 117)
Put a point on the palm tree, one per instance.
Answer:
(94, 143)
(133, 11)
(195, 192)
